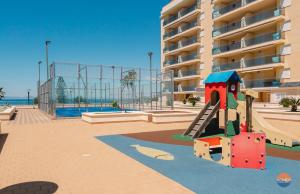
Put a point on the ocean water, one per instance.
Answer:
(16, 101)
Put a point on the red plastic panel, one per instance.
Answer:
(249, 151)
(213, 141)
(219, 87)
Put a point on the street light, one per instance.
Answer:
(150, 54)
(39, 83)
(47, 43)
(113, 68)
(28, 96)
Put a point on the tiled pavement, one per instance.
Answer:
(66, 153)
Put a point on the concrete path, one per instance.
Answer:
(66, 152)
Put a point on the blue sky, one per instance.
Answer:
(90, 31)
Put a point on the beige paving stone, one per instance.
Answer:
(67, 153)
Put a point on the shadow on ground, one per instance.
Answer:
(31, 188)
(3, 138)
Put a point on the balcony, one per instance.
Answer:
(183, 89)
(181, 44)
(180, 14)
(180, 30)
(186, 73)
(181, 60)
(231, 7)
(244, 43)
(249, 63)
(247, 21)
(265, 83)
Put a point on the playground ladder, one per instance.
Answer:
(202, 120)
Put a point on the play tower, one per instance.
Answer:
(228, 110)
(238, 130)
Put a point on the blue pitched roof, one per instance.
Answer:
(223, 77)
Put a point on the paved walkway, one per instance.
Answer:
(67, 154)
(29, 116)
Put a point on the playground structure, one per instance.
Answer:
(229, 111)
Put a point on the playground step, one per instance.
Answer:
(202, 120)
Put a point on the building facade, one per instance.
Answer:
(257, 38)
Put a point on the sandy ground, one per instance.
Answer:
(65, 152)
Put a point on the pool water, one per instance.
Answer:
(77, 112)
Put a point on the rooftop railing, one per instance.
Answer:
(231, 7)
(247, 21)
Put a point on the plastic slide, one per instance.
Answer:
(276, 136)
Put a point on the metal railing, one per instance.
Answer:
(171, 48)
(182, 29)
(171, 33)
(264, 83)
(226, 48)
(189, 41)
(182, 59)
(247, 21)
(185, 88)
(180, 14)
(231, 7)
(186, 73)
(247, 42)
(183, 43)
(248, 63)
(226, 67)
(189, 57)
(262, 39)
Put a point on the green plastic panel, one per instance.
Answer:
(230, 129)
(232, 103)
(241, 97)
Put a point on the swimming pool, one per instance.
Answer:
(76, 111)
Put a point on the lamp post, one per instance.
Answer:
(28, 96)
(39, 83)
(150, 54)
(113, 68)
(47, 43)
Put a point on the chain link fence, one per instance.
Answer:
(98, 87)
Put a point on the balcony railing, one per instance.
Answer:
(247, 42)
(180, 14)
(180, 30)
(171, 33)
(171, 48)
(189, 41)
(263, 38)
(226, 67)
(189, 57)
(186, 73)
(247, 21)
(185, 88)
(231, 7)
(182, 59)
(183, 43)
(248, 63)
(265, 83)
(226, 48)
